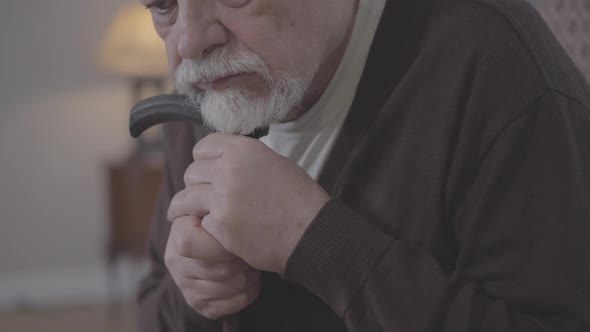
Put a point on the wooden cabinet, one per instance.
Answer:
(133, 189)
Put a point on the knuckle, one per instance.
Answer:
(211, 313)
(169, 260)
(189, 173)
(197, 147)
(218, 221)
(245, 299)
(177, 199)
(170, 257)
(198, 303)
(174, 229)
(204, 266)
(187, 176)
(195, 298)
(183, 245)
(183, 283)
(220, 272)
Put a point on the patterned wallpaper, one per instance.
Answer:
(570, 20)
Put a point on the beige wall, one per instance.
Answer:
(61, 122)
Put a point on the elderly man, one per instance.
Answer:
(426, 168)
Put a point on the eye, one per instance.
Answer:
(162, 8)
(234, 3)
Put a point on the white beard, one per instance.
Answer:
(237, 110)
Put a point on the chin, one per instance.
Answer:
(241, 111)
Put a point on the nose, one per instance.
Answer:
(200, 29)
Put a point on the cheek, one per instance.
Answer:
(272, 37)
(284, 51)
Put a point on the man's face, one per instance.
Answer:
(249, 63)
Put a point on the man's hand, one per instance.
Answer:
(213, 282)
(256, 203)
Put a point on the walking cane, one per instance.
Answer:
(172, 108)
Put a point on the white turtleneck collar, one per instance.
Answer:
(308, 140)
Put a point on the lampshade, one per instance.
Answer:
(131, 46)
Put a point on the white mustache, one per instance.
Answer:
(218, 64)
(235, 110)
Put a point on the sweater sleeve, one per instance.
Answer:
(522, 235)
(162, 307)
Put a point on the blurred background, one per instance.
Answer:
(75, 190)
(75, 197)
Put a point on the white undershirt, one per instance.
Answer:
(309, 139)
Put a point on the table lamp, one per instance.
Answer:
(131, 48)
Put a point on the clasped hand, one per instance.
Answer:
(243, 210)
(256, 203)
(243, 206)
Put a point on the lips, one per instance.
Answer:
(218, 83)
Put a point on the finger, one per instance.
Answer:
(235, 304)
(212, 271)
(221, 230)
(201, 172)
(211, 146)
(194, 200)
(217, 290)
(192, 241)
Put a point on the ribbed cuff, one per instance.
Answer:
(336, 254)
